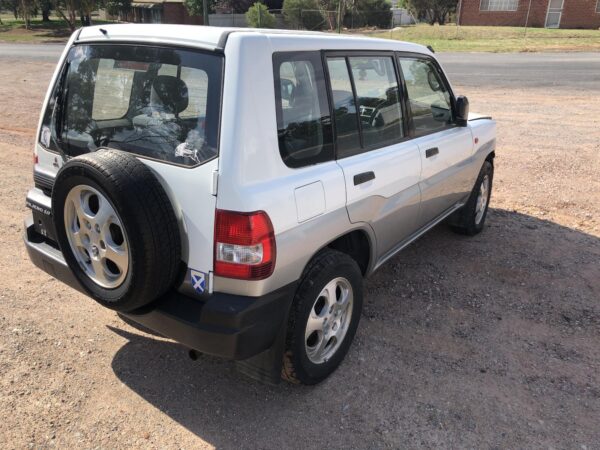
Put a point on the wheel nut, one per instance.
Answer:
(95, 251)
(88, 225)
(97, 228)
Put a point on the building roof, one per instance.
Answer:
(214, 38)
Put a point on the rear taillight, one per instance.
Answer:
(244, 245)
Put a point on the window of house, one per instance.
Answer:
(303, 121)
(598, 7)
(428, 96)
(499, 5)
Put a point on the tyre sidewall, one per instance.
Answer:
(307, 371)
(485, 170)
(79, 174)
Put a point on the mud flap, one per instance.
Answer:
(266, 366)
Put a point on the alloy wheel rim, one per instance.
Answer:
(482, 199)
(328, 320)
(96, 236)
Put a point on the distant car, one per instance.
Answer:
(230, 188)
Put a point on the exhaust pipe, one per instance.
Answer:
(194, 355)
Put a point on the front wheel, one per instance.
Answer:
(323, 319)
(470, 219)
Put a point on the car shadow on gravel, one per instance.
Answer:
(463, 341)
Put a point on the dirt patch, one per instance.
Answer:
(492, 341)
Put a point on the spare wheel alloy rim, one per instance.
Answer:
(328, 320)
(96, 236)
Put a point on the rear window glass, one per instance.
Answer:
(160, 103)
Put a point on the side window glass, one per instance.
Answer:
(428, 96)
(344, 106)
(303, 122)
(378, 99)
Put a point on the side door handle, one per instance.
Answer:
(361, 178)
(431, 152)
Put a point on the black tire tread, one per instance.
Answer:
(325, 259)
(463, 221)
(150, 212)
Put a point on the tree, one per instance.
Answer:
(369, 13)
(71, 10)
(12, 5)
(433, 10)
(235, 6)
(26, 9)
(303, 14)
(46, 7)
(258, 16)
(200, 8)
(114, 7)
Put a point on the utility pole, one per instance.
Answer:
(339, 17)
(458, 16)
(205, 12)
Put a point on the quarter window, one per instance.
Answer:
(429, 99)
(303, 121)
(499, 5)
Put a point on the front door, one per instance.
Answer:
(555, 8)
(444, 147)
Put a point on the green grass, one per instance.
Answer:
(495, 39)
(56, 30)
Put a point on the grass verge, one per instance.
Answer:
(495, 39)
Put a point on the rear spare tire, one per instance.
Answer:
(116, 228)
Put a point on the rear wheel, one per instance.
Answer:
(324, 318)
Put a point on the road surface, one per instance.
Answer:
(573, 70)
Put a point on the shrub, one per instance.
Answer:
(369, 13)
(258, 16)
(303, 14)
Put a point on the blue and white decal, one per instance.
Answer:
(198, 280)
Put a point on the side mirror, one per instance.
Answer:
(462, 110)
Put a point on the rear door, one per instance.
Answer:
(161, 104)
(381, 165)
(444, 147)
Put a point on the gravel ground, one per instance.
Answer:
(485, 342)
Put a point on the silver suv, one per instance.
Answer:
(230, 188)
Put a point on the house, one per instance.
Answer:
(533, 13)
(159, 11)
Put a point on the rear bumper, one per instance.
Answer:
(230, 326)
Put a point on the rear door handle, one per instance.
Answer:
(361, 178)
(431, 152)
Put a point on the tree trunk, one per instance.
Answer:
(46, 15)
